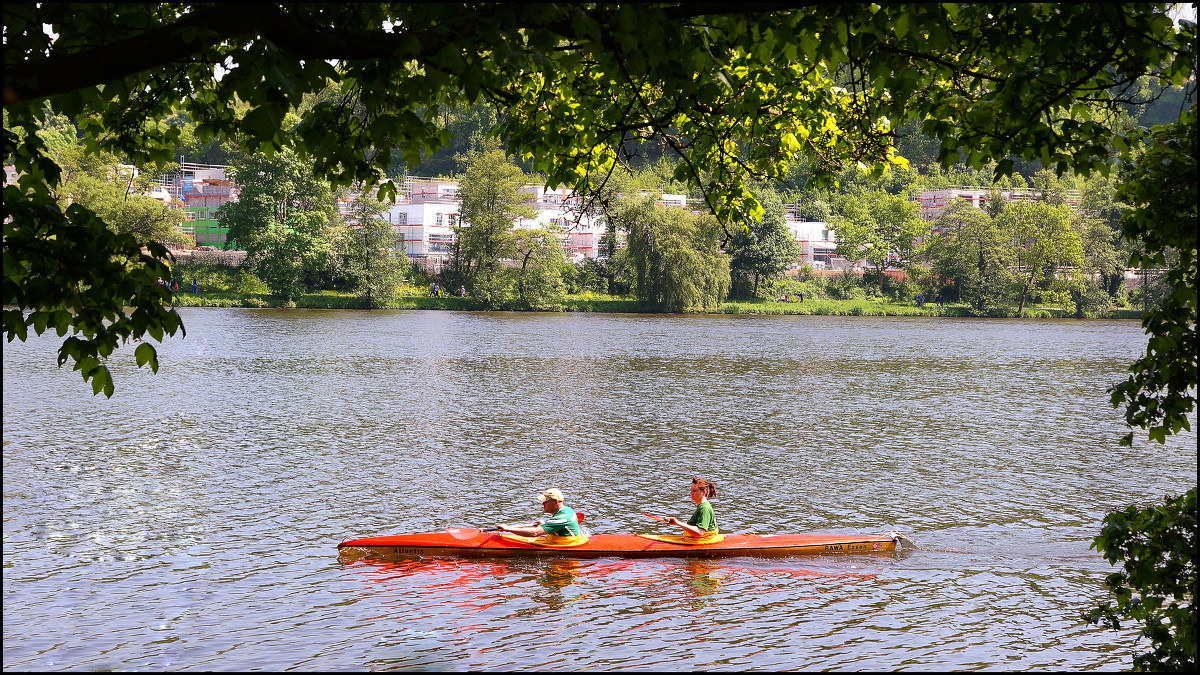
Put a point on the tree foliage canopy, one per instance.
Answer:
(677, 266)
(1046, 242)
(1156, 585)
(1157, 545)
(491, 198)
(974, 251)
(763, 249)
(372, 253)
(282, 218)
(737, 91)
(1161, 189)
(880, 228)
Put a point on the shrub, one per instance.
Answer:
(845, 286)
(208, 274)
(1157, 585)
(247, 283)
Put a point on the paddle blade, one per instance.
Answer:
(579, 515)
(658, 518)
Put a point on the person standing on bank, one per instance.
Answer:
(562, 522)
(702, 523)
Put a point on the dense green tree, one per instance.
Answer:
(880, 228)
(1156, 585)
(85, 287)
(193, 149)
(763, 249)
(1165, 105)
(492, 199)
(59, 134)
(971, 249)
(920, 150)
(468, 126)
(1049, 188)
(375, 260)
(540, 259)
(677, 266)
(119, 194)
(1160, 188)
(1045, 242)
(282, 218)
(1105, 253)
(1103, 257)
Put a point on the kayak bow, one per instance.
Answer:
(460, 542)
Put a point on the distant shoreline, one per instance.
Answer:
(612, 304)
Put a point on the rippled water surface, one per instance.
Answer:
(191, 521)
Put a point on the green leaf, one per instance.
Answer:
(145, 353)
(101, 380)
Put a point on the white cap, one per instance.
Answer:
(552, 493)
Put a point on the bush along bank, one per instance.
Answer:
(841, 294)
(614, 304)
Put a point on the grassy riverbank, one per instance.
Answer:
(418, 298)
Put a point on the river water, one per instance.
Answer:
(191, 521)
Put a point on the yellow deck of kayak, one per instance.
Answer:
(547, 540)
(685, 540)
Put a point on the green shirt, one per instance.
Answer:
(703, 518)
(563, 523)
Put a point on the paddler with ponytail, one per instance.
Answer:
(702, 526)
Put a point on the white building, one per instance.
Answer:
(424, 217)
(559, 210)
(934, 202)
(816, 242)
(814, 237)
(427, 210)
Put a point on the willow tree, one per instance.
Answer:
(677, 264)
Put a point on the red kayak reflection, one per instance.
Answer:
(476, 585)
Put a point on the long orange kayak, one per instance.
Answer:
(474, 543)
